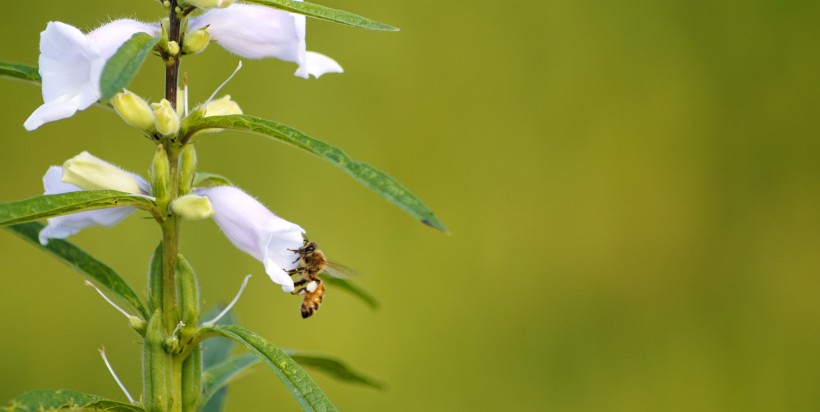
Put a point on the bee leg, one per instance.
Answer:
(300, 286)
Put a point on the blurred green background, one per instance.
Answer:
(632, 189)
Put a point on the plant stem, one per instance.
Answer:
(171, 224)
(172, 66)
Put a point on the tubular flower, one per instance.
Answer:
(255, 230)
(256, 32)
(71, 65)
(61, 227)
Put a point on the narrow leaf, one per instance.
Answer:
(366, 174)
(50, 400)
(40, 207)
(326, 13)
(335, 368)
(94, 270)
(349, 287)
(124, 64)
(216, 378)
(300, 385)
(19, 71)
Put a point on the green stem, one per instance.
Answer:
(171, 223)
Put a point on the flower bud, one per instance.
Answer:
(196, 41)
(209, 4)
(167, 120)
(173, 48)
(222, 107)
(189, 301)
(187, 168)
(91, 173)
(193, 207)
(160, 175)
(133, 109)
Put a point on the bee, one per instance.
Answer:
(312, 262)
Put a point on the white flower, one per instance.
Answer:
(61, 227)
(256, 32)
(71, 65)
(255, 230)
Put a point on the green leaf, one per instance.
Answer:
(19, 71)
(326, 14)
(366, 174)
(51, 400)
(349, 287)
(214, 352)
(94, 270)
(205, 179)
(124, 64)
(335, 368)
(300, 385)
(216, 378)
(52, 205)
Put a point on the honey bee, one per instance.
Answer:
(312, 262)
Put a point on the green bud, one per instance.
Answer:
(193, 207)
(223, 106)
(187, 168)
(167, 120)
(209, 4)
(158, 365)
(133, 109)
(91, 173)
(196, 42)
(137, 324)
(161, 175)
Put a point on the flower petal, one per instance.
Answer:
(317, 64)
(50, 111)
(71, 64)
(61, 227)
(252, 31)
(111, 36)
(255, 230)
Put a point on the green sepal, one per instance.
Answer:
(349, 287)
(366, 174)
(188, 296)
(161, 178)
(205, 179)
(187, 169)
(124, 64)
(91, 268)
(307, 394)
(334, 368)
(192, 381)
(157, 365)
(24, 72)
(44, 206)
(326, 13)
(41, 400)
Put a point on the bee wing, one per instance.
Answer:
(340, 271)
